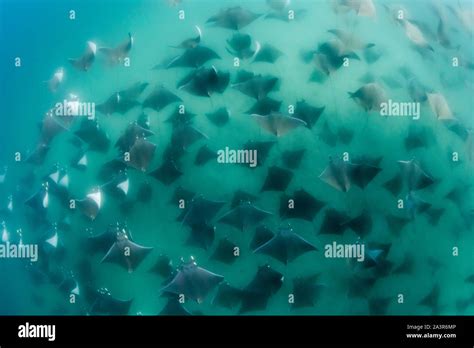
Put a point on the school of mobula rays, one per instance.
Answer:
(244, 214)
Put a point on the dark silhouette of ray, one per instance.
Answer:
(39, 201)
(241, 196)
(234, 18)
(117, 103)
(200, 210)
(262, 147)
(220, 117)
(265, 106)
(304, 206)
(285, 246)
(292, 158)
(306, 290)
(227, 296)
(418, 137)
(105, 304)
(126, 253)
(337, 175)
(239, 41)
(394, 185)
(372, 161)
(91, 133)
(361, 224)
(167, 173)
(258, 86)
(179, 117)
(361, 174)
(277, 179)
(333, 222)
(240, 46)
(141, 154)
(181, 193)
(415, 176)
(202, 236)
(193, 282)
(103, 241)
(431, 300)
(379, 305)
(91, 205)
(159, 98)
(256, 294)
(329, 56)
(278, 124)
(307, 113)
(415, 205)
(204, 155)
(145, 192)
(163, 267)
(268, 54)
(173, 152)
(244, 216)
(261, 236)
(224, 252)
(369, 97)
(129, 137)
(38, 156)
(375, 254)
(174, 308)
(184, 135)
(192, 58)
(204, 82)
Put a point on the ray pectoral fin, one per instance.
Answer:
(328, 177)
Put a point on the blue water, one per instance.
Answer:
(42, 35)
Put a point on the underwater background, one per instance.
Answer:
(43, 36)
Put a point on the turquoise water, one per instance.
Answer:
(42, 34)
